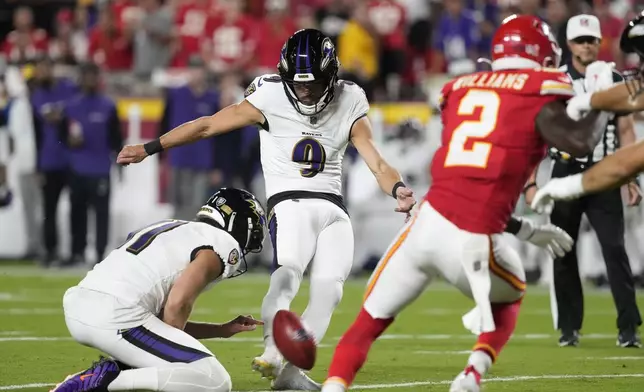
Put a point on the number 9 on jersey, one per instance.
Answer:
(309, 151)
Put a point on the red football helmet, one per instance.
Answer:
(524, 41)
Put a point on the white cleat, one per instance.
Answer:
(291, 378)
(267, 368)
(466, 381)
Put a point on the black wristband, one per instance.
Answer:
(153, 147)
(396, 186)
(513, 226)
(528, 186)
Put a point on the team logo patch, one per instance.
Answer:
(250, 89)
(636, 31)
(328, 53)
(584, 22)
(233, 257)
(220, 201)
(225, 208)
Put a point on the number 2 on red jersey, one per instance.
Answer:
(477, 156)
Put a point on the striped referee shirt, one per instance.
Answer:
(609, 143)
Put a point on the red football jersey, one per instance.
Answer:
(273, 36)
(490, 144)
(112, 51)
(19, 47)
(191, 20)
(229, 42)
(388, 19)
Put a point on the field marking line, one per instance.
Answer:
(433, 352)
(420, 383)
(24, 386)
(336, 338)
(494, 379)
(616, 358)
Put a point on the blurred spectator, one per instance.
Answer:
(152, 38)
(418, 19)
(486, 13)
(69, 45)
(191, 166)
(388, 20)
(456, 40)
(530, 7)
(276, 27)
(16, 119)
(557, 17)
(109, 45)
(332, 19)
(48, 98)
(611, 27)
(26, 42)
(358, 51)
(94, 137)
(126, 12)
(230, 39)
(190, 21)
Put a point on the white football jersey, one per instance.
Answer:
(301, 153)
(141, 272)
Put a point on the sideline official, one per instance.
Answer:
(603, 210)
(94, 137)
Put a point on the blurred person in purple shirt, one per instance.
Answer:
(192, 165)
(48, 97)
(456, 37)
(486, 13)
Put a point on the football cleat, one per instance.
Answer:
(291, 378)
(469, 380)
(569, 339)
(94, 379)
(266, 368)
(629, 338)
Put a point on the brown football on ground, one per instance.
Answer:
(295, 343)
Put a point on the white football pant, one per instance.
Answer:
(430, 246)
(164, 358)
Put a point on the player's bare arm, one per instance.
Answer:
(530, 187)
(232, 117)
(576, 137)
(388, 178)
(617, 99)
(626, 135)
(615, 170)
(206, 267)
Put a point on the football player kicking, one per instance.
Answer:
(496, 126)
(627, 162)
(134, 305)
(307, 118)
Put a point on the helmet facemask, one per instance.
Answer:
(309, 73)
(311, 97)
(632, 41)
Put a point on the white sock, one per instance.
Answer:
(204, 375)
(285, 283)
(324, 297)
(135, 379)
(480, 361)
(332, 386)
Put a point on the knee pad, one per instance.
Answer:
(218, 378)
(285, 279)
(328, 290)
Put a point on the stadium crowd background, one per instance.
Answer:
(399, 51)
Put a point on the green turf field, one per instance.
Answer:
(424, 349)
